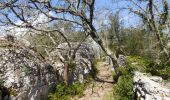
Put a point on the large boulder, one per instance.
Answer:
(84, 57)
(23, 75)
(150, 87)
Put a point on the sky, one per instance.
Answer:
(103, 8)
(129, 19)
(111, 6)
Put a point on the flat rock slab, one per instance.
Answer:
(150, 87)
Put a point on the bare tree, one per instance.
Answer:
(78, 12)
(155, 16)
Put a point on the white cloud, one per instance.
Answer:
(37, 22)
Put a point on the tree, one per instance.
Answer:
(156, 18)
(78, 12)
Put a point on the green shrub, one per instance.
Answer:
(94, 70)
(124, 70)
(149, 66)
(161, 69)
(114, 76)
(26, 70)
(72, 65)
(12, 91)
(165, 73)
(63, 92)
(123, 89)
(137, 63)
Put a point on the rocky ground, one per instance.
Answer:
(150, 87)
(24, 75)
(100, 89)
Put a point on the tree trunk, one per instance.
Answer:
(66, 72)
(162, 46)
(96, 38)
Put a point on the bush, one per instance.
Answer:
(137, 63)
(94, 70)
(123, 89)
(162, 70)
(63, 92)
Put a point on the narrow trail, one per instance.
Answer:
(100, 90)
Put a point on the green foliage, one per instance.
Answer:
(131, 41)
(122, 71)
(109, 96)
(72, 65)
(114, 75)
(43, 42)
(63, 92)
(13, 92)
(123, 89)
(94, 70)
(161, 69)
(26, 70)
(137, 63)
(165, 73)
(76, 37)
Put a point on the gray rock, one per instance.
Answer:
(121, 60)
(84, 57)
(25, 75)
(150, 88)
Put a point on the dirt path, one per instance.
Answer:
(100, 90)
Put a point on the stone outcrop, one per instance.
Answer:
(84, 57)
(150, 87)
(121, 60)
(23, 75)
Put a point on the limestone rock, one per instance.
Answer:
(24, 75)
(150, 88)
(121, 60)
(84, 57)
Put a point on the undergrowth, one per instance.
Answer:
(161, 69)
(63, 92)
(123, 89)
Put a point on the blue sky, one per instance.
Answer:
(113, 6)
(105, 7)
(129, 19)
